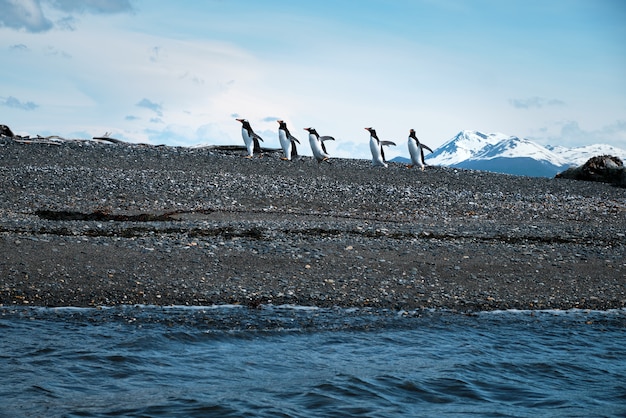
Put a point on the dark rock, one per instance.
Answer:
(6, 131)
(602, 168)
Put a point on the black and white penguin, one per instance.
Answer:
(416, 149)
(317, 145)
(376, 146)
(287, 141)
(250, 138)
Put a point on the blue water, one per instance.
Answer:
(297, 362)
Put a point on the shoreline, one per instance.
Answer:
(14, 308)
(87, 224)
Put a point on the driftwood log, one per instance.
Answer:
(233, 148)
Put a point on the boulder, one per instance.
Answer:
(6, 131)
(602, 168)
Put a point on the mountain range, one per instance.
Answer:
(502, 153)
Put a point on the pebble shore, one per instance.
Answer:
(84, 223)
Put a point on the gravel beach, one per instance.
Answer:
(84, 223)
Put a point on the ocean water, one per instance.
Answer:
(146, 361)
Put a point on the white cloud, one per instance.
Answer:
(23, 14)
(570, 134)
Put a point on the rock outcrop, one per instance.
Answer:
(602, 168)
(6, 131)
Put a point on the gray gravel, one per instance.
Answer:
(87, 224)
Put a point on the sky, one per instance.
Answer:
(180, 72)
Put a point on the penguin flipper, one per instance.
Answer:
(326, 138)
(387, 143)
(323, 148)
(425, 146)
(293, 139)
(257, 146)
(294, 151)
(257, 137)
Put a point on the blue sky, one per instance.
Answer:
(179, 72)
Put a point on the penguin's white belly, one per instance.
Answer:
(285, 144)
(377, 158)
(316, 148)
(248, 140)
(414, 150)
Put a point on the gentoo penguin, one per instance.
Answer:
(317, 145)
(416, 149)
(250, 138)
(376, 146)
(287, 141)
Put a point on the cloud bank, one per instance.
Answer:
(535, 102)
(28, 15)
(25, 14)
(92, 6)
(17, 104)
(149, 104)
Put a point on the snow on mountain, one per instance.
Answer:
(465, 145)
(579, 155)
(475, 145)
(514, 147)
(509, 154)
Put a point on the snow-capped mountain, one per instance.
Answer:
(579, 155)
(512, 155)
(465, 145)
(514, 147)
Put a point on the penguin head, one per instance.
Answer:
(282, 124)
(372, 132)
(312, 131)
(246, 125)
(412, 134)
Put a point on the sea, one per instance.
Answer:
(295, 361)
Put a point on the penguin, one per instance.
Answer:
(376, 146)
(250, 138)
(317, 145)
(287, 141)
(416, 149)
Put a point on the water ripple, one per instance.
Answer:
(293, 361)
